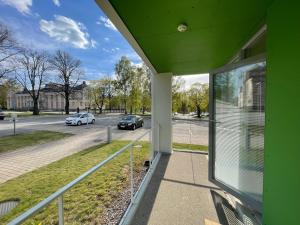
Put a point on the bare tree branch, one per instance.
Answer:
(69, 73)
(8, 49)
(32, 69)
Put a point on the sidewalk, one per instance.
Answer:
(16, 163)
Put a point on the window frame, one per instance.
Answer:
(245, 199)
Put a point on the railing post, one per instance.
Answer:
(190, 130)
(131, 173)
(61, 210)
(151, 153)
(109, 137)
(158, 137)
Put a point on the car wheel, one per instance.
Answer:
(133, 127)
(79, 123)
(142, 124)
(93, 121)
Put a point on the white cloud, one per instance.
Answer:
(64, 29)
(112, 50)
(191, 79)
(56, 2)
(106, 22)
(138, 64)
(106, 39)
(23, 6)
(94, 43)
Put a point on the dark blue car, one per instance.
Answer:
(131, 122)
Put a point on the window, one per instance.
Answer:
(237, 130)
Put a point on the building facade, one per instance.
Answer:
(51, 98)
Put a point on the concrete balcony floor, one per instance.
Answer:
(178, 193)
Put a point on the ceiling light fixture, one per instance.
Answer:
(182, 27)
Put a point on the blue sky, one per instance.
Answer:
(76, 26)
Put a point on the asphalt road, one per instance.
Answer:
(184, 131)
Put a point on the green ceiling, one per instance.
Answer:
(217, 29)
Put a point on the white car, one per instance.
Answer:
(80, 118)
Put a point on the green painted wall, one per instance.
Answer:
(282, 133)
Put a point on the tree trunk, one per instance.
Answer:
(67, 105)
(125, 105)
(109, 103)
(35, 107)
(198, 111)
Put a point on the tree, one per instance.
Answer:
(8, 49)
(123, 71)
(177, 88)
(5, 87)
(135, 93)
(69, 73)
(32, 69)
(205, 98)
(109, 83)
(101, 92)
(146, 88)
(97, 94)
(198, 95)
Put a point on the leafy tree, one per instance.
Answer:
(205, 98)
(123, 70)
(116, 100)
(101, 92)
(135, 92)
(109, 91)
(146, 88)
(177, 88)
(69, 72)
(184, 102)
(32, 69)
(198, 95)
(5, 87)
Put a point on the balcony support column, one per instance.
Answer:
(161, 122)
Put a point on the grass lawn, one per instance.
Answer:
(190, 147)
(9, 143)
(29, 113)
(88, 199)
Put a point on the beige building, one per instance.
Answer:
(51, 98)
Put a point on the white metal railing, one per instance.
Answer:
(60, 193)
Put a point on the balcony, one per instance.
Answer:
(179, 192)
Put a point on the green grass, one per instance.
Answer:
(29, 113)
(9, 143)
(19, 114)
(85, 203)
(190, 147)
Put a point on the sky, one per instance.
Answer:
(76, 26)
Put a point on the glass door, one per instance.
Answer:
(237, 130)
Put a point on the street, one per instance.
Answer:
(181, 128)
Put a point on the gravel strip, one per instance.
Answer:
(115, 211)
